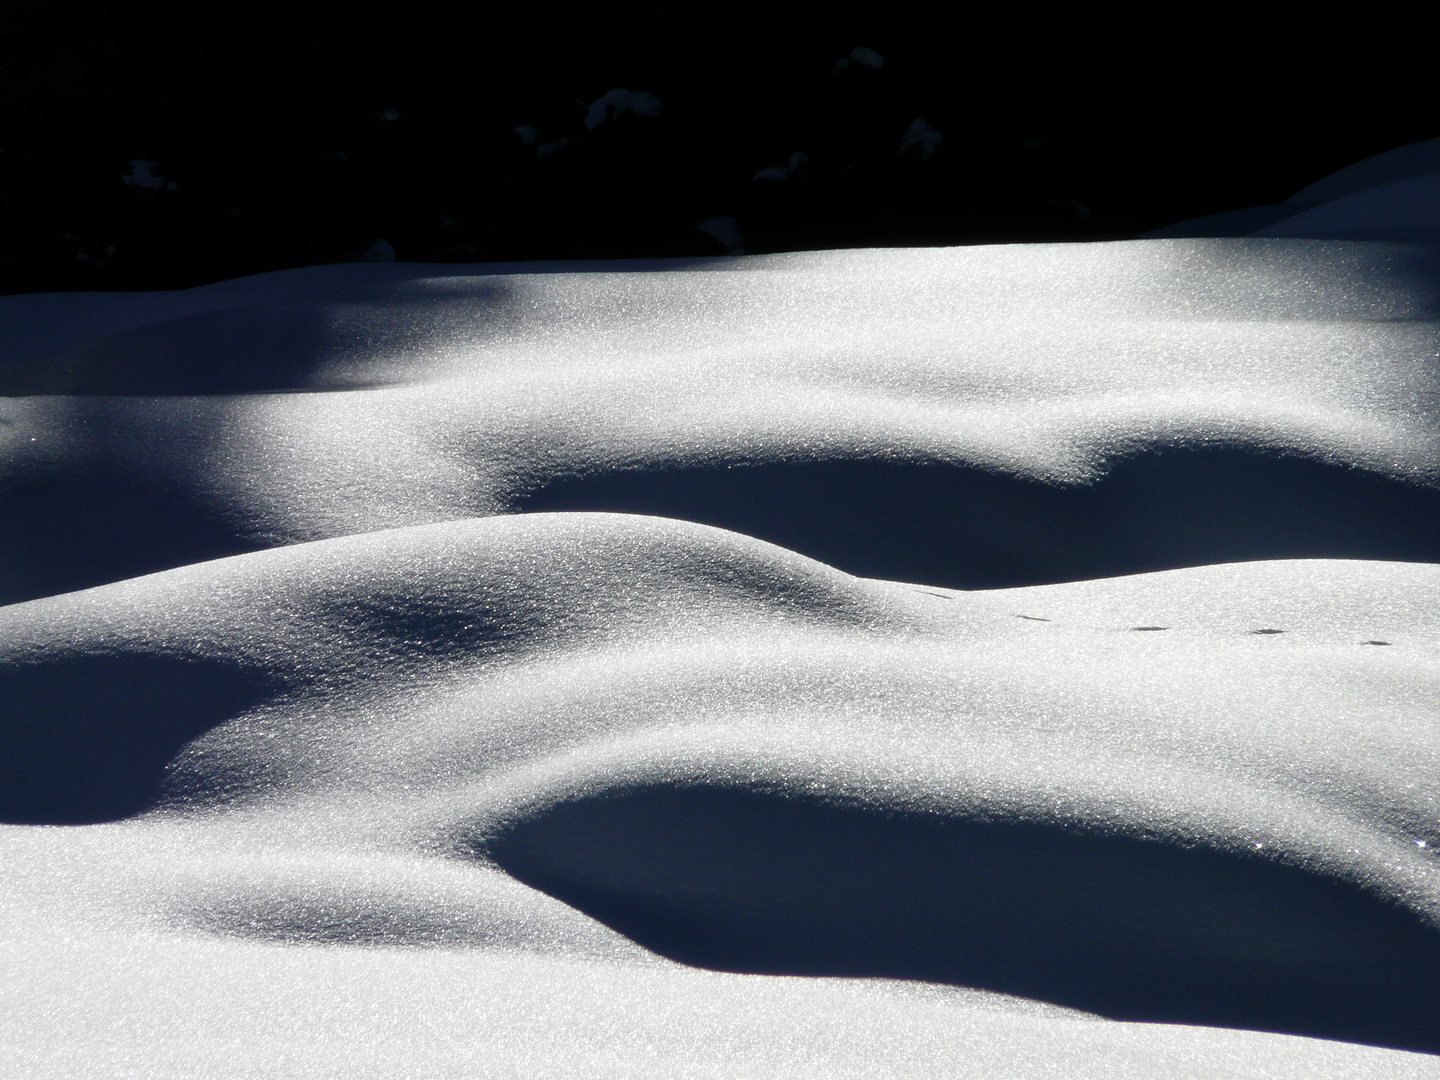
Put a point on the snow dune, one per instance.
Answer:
(1003, 408)
(1006, 662)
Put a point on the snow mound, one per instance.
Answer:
(1054, 389)
(615, 103)
(1392, 196)
(745, 760)
(1416, 159)
(1409, 204)
(559, 669)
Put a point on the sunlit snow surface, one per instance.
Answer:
(459, 671)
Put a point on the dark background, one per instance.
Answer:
(271, 122)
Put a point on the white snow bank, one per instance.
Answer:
(419, 781)
(428, 697)
(459, 395)
(90, 1010)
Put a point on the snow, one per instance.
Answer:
(142, 175)
(379, 251)
(370, 799)
(726, 231)
(614, 103)
(1416, 159)
(783, 172)
(921, 134)
(1408, 204)
(1392, 196)
(946, 662)
(555, 146)
(861, 56)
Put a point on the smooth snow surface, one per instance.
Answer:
(1393, 196)
(991, 662)
(1411, 203)
(1416, 159)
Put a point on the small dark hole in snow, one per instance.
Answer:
(1375, 643)
(1267, 630)
(1149, 628)
(1032, 618)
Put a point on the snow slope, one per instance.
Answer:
(1064, 389)
(463, 671)
(1391, 196)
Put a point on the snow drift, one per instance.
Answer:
(1002, 408)
(569, 670)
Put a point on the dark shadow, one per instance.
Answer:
(743, 881)
(259, 348)
(61, 533)
(248, 349)
(282, 345)
(967, 528)
(86, 739)
(1240, 222)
